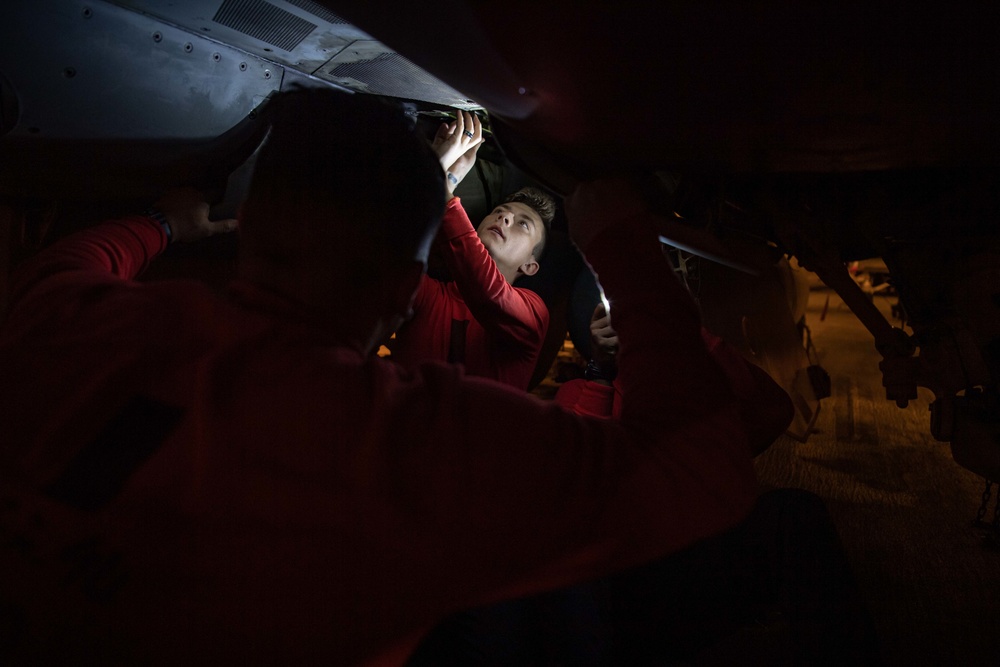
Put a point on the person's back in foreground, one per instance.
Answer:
(194, 478)
(777, 588)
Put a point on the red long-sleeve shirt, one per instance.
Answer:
(186, 477)
(479, 319)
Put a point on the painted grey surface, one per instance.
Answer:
(85, 69)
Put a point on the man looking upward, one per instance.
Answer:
(481, 319)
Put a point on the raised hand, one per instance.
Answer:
(456, 144)
(603, 338)
(186, 211)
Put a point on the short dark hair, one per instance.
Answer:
(342, 175)
(541, 203)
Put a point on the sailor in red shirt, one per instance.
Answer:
(480, 319)
(765, 407)
(189, 477)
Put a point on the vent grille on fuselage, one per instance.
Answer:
(265, 22)
(317, 10)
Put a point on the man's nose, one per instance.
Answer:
(507, 219)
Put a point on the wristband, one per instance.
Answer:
(162, 221)
(595, 372)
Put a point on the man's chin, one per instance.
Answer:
(488, 239)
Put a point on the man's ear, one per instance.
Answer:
(529, 268)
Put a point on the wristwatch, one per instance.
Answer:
(157, 215)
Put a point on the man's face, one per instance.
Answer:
(510, 234)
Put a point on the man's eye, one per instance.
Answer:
(524, 224)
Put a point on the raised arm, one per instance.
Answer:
(513, 315)
(456, 145)
(654, 316)
(765, 409)
(116, 250)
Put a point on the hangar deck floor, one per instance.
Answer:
(902, 506)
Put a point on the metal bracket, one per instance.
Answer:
(901, 371)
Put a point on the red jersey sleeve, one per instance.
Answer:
(765, 408)
(518, 315)
(589, 399)
(115, 250)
